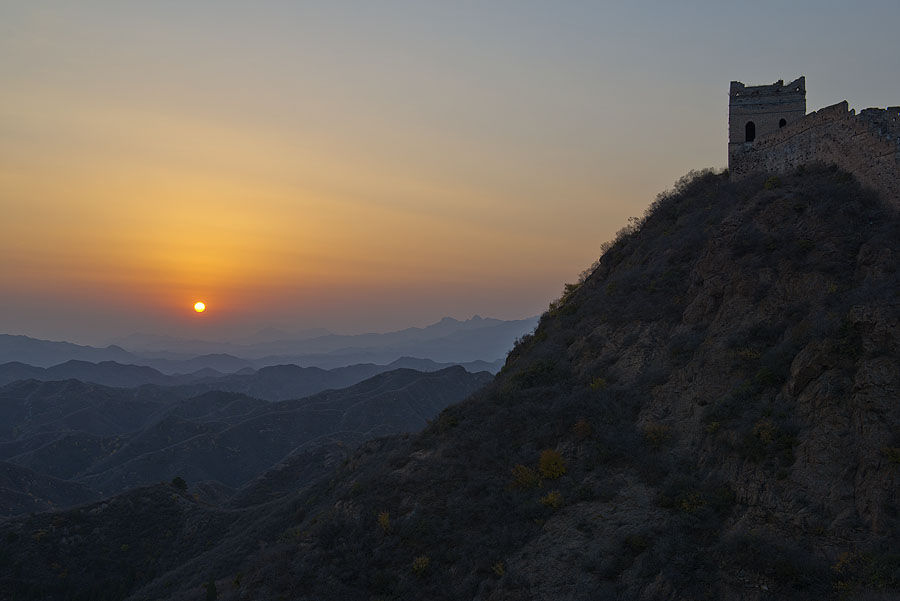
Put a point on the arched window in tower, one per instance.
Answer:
(782, 123)
(750, 131)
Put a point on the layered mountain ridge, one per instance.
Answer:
(274, 383)
(63, 443)
(473, 341)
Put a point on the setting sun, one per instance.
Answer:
(199, 307)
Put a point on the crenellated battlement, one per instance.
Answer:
(867, 144)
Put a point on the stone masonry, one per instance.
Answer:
(866, 145)
(756, 111)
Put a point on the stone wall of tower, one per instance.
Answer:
(768, 108)
(866, 145)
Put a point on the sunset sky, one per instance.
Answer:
(367, 165)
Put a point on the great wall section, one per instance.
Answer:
(865, 144)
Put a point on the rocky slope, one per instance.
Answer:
(711, 414)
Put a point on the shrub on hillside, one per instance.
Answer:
(552, 499)
(384, 522)
(420, 565)
(524, 477)
(892, 454)
(598, 383)
(582, 429)
(542, 372)
(657, 434)
(551, 464)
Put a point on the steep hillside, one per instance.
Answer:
(711, 414)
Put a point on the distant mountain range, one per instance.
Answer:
(79, 422)
(107, 373)
(44, 353)
(318, 341)
(448, 341)
(68, 442)
(276, 383)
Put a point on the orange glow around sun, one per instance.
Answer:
(199, 307)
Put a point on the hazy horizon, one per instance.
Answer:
(366, 168)
(240, 336)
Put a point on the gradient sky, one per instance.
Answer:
(367, 165)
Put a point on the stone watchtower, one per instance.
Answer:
(755, 111)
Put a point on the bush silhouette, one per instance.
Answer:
(657, 434)
(551, 464)
(420, 564)
(552, 499)
(384, 521)
(582, 429)
(524, 477)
